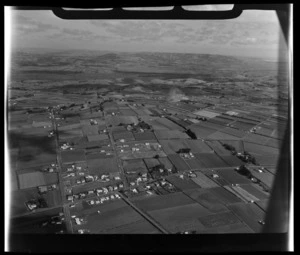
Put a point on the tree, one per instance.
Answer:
(245, 171)
(229, 147)
(191, 134)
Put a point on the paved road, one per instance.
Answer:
(60, 178)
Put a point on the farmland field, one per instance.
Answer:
(220, 219)
(178, 162)
(257, 149)
(211, 160)
(34, 179)
(254, 191)
(207, 200)
(102, 165)
(250, 214)
(195, 164)
(224, 196)
(180, 218)
(203, 181)
(72, 156)
(170, 134)
(146, 136)
(162, 202)
(31, 224)
(218, 148)
(101, 223)
(182, 184)
(232, 177)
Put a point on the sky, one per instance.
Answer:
(253, 34)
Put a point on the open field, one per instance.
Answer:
(207, 199)
(135, 165)
(34, 179)
(31, 224)
(211, 160)
(232, 177)
(182, 184)
(178, 162)
(101, 223)
(102, 165)
(218, 220)
(72, 156)
(250, 214)
(162, 202)
(203, 181)
(180, 218)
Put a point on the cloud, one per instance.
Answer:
(147, 31)
(25, 25)
(78, 34)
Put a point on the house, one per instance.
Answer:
(31, 205)
(89, 178)
(43, 189)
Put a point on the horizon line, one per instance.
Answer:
(132, 52)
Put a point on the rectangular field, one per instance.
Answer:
(219, 220)
(102, 165)
(134, 165)
(251, 189)
(162, 202)
(218, 148)
(201, 132)
(225, 196)
(250, 214)
(96, 138)
(72, 156)
(232, 161)
(254, 138)
(232, 177)
(166, 162)
(35, 179)
(151, 162)
(180, 218)
(107, 220)
(203, 181)
(210, 160)
(178, 162)
(182, 184)
(207, 199)
(196, 146)
(32, 223)
(233, 132)
(170, 134)
(195, 164)
(145, 136)
(257, 149)
(138, 227)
